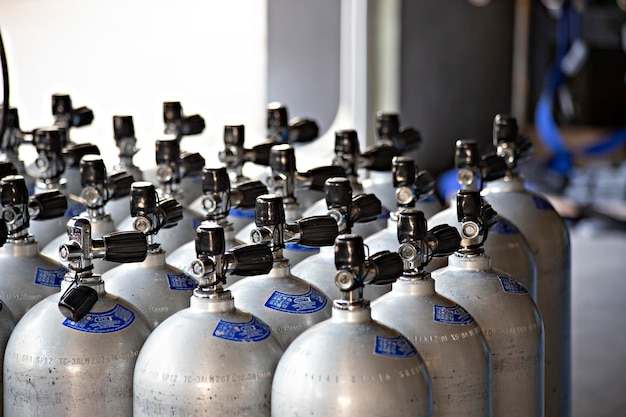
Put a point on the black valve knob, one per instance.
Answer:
(82, 116)
(404, 171)
(387, 125)
(77, 301)
(388, 265)
(92, 170)
(248, 192)
(446, 240)
(349, 251)
(48, 205)
(505, 129)
(73, 153)
(61, 104)
(260, 154)
(468, 204)
(215, 180)
(489, 215)
(172, 111)
(125, 247)
(13, 118)
(424, 183)
(120, 183)
(252, 260)
(303, 130)
(318, 176)
(379, 157)
(13, 191)
(338, 192)
(493, 167)
(234, 135)
(269, 210)
(6, 169)
(143, 198)
(317, 231)
(210, 240)
(276, 116)
(409, 138)
(411, 226)
(172, 212)
(192, 162)
(192, 125)
(167, 151)
(123, 127)
(346, 142)
(283, 159)
(366, 207)
(48, 140)
(467, 154)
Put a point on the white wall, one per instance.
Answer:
(128, 56)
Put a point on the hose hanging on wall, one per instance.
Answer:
(5, 89)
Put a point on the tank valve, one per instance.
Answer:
(235, 155)
(390, 133)
(98, 189)
(282, 130)
(49, 143)
(476, 218)
(506, 138)
(172, 166)
(152, 214)
(219, 197)
(74, 152)
(346, 209)
(179, 125)
(66, 116)
(411, 185)
(13, 137)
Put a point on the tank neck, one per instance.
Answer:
(220, 303)
(281, 269)
(360, 313)
(154, 259)
(95, 282)
(21, 247)
(421, 284)
(459, 261)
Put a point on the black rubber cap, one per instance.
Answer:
(505, 129)
(125, 247)
(260, 154)
(317, 231)
(283, 159)
(123, 127)
(467, 154)
(269, 210)
(172, 111)
(389, 267)
(210, 240)
(81, 116)
(338, 192)
(276, 116)
(319, 175)
(13, 118)
(303, 130)
(73, 153)
(379, 157)
(349, 251)
(404, 171)
(172, 212)
(167, 151)
(48, 140)
(468, 205)
(249, 191)
(121, 182)
(193, 163)
(234, 135)
(77, 301)
(13, 190)
(6, 169)
(347, 142)
(446, 239)
(61, 104)
(192, 125)
(50, 204)
(252, 260)
(143, 198)
(215, 180)
(368, 208)
(424, 183)
(489, 215)
(408, 139)
(387, 126)
(92, 170)
(493, 167)
(411, 226)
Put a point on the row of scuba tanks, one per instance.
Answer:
(306, 293)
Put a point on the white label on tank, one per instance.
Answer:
(310, 302)
(50, 277)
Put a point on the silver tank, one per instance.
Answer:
(7, 323)
(449, 340)
(351, 365)
(511, 325)
(506, 246)
(57, 367)
(287, 303)
(549, 240)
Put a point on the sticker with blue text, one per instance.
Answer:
(299, 248)
(114, 320)
(182, 282)
(541, 203)
(451, 315)
(251, 331)
(394, 347)
(504, 227)
(310, 302)
(50, 277)
(512, 286)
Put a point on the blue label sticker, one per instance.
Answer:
(114, 320)
(384, 214)
(195, 223)
(504, 227)
(311, 301)
(245, 214)
(181, 282)
(74, 209)
(512, 286)
(299, 248)
(396, 347)
(50, 277)
(451, 315)
(541, 203)
(251, 331)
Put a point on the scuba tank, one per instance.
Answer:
(171, 167)
(351, 365)
(50, 165)
(447, 337)
(507, 247)
(219, 360)
(346, 210)
(411, 187)
(218, 201)
(10, 147)
(157, 289)
(284, 181)
(287, 303)
(502, 306)
(124, 134)
(28, 276)
(548, 237)
(98, 190)
(74, 352)
(7, 320)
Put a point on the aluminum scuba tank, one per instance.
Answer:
(219, 360)
(507, 247)
(504, 310)
(28, 276)
(10, 144)
(548, 237)
(157, 289)
(284, 181)
(98, 190)
(447, 337)
(172, 166)
(219, 199)
(346, 210)
(74, 352)
(7, 320)
(287, 303)
(351, 365)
